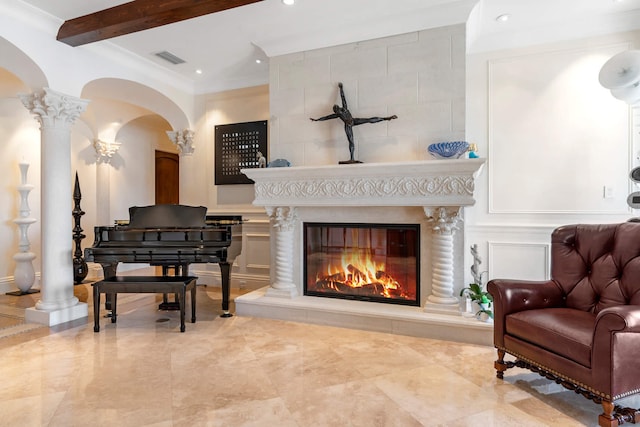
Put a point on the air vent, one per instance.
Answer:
(170, 57)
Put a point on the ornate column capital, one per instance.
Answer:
(54, 109)
(105, 150)
(284, 218)
(444, 220)
(184, 140)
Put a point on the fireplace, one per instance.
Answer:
(368, 262)
(431, 194)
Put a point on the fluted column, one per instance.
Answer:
(443, 222)
(283, 221)
(56, 113)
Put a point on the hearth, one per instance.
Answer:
(368, 262)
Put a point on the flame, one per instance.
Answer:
(358, 270)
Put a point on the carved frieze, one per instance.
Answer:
(367, 187)
(421, 183)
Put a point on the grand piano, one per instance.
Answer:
(170, 236)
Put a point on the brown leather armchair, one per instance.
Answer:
(582, 327)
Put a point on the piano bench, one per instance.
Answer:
(112, 286)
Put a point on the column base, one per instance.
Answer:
(450, 309)
(56, 317)
(281, 293)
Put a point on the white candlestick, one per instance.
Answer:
(24, 275)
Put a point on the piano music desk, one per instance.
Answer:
(144, 284)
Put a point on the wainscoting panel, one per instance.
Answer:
(519, 260)
(258, 255)
(251, 268)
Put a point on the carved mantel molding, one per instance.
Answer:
(425, 183)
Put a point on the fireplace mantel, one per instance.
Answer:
(421, 183)
(431, 193)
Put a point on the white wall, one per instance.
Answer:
(19, 142)
(133, 168)
(234, 106)
(251, 268)
(554, 139)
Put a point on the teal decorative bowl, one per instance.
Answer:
(448, 150)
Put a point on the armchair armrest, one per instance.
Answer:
(621, 318)
(616, 338)
(511, 296)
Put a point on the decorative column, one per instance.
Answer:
(443, 222)
(183, 140)
(24, 275)
(56, 113)
(283, 220)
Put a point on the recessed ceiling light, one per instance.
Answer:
(198, 71)
(503, 18)
(258, 61)
(289, 2)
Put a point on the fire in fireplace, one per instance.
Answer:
(369, 262)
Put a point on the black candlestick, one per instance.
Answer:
(80, 269)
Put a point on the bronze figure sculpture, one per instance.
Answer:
(344, 114)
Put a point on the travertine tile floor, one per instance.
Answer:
(245, 371)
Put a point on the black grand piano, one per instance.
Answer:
(170, 236)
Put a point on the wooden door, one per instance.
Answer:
(167, 178)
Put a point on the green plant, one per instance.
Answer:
(483, 298)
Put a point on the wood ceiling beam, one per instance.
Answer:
(136, 16)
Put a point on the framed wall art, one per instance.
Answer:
(239, 146)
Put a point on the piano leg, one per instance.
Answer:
(114, 302)
(96, 307)
(225, 271)
(108, 270)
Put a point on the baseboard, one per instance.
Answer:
(8, 284)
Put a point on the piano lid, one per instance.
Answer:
(160, 216)
(174, 216)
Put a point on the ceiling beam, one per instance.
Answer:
(136, 16)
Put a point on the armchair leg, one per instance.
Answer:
(614, 416)
(606, 419)
(500, 365)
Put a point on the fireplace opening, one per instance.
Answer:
(368, 262)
